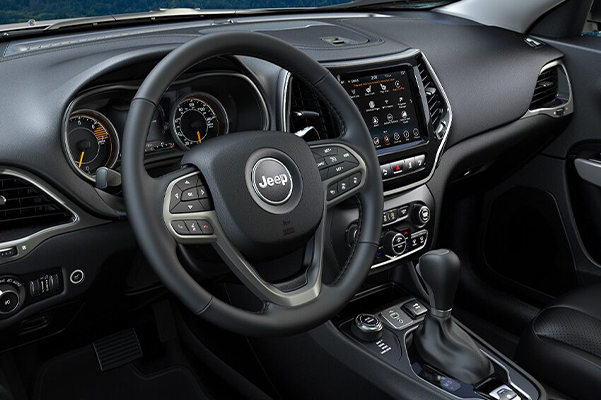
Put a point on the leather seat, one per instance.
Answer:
(562, 346)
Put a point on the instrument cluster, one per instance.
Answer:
(195, 109)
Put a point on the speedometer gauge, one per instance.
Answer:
(91, 142)
(196, 118)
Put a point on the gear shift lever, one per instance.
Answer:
(440, 342)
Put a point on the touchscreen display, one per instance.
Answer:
(386, 104)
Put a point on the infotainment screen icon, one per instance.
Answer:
(387, 105)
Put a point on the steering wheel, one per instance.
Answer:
(256, 195)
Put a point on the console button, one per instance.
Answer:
(398, 167)
(325, 151)
(390, 216)
(193, 228)
(332, 191)
(77, 277)
(9, 301)
(180, 227)
(205, 227)
(188, 183)
(386, 171)
(403, 211)
(396, 317)
(420, 160)
(415, 308)
(354, 180)
(367, 327)
(504, 393)
(409, 164)
(188, 207)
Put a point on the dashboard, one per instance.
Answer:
(196, 108)
(433, 112)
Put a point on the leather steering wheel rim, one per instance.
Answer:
(144, 196)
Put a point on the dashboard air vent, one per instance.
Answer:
(547, 88)
(307, 109)
(26, 208)
(433, 96)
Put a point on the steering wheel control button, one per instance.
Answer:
(343, 186)
(188, 183)
(332, 191)
(77, 277)
(321, 162)
(396, 317)
(339, 169)
(193, 228)
(272, 181)
(354, 180)
(202, 192)
(414, 308)
(176, 197)
(205, 227)
(190, 194)
(188, 207)
(325, 151)
(367, 327)
(333, 159)
(347, 156)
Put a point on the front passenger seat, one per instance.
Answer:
(562, 346)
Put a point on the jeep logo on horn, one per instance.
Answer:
(272, 181)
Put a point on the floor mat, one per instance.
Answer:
(76, 376)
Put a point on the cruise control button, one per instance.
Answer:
(332, 191)
(205, 227)
(325, 151)
(386, 171)
(409, 164)
(339, 169)
(397, 167)
(347, 156)
(190, 194)
(354, 180)
(188, 207)
(180, 227)
(321, 162)
(188, 183)
(420, 161)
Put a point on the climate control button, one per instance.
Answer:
(394, 243)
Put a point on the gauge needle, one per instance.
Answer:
(198, 134)
(81, 158)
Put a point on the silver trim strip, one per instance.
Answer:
(568, 106)
(446, 121)
(26, 244)
(404, 255)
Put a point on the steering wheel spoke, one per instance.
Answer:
(341, 168)
(187, 208)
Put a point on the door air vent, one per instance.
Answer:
(307, 109)
(547, 89)
(435, 103)
(26, 209)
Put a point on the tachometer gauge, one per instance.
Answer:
(196, 118)
(92, 142)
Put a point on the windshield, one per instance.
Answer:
(18, 11)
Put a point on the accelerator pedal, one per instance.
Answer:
(118, 349)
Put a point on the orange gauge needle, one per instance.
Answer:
(198, 134)
(81, 158)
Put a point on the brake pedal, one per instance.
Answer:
(118, 349)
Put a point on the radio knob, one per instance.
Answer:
(421, 215)
(394, 243)
(9, 298)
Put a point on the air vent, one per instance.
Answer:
(307, 109)
(546, 90)
(433, 96)
(25, 208)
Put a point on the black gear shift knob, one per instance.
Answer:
(441, 270)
